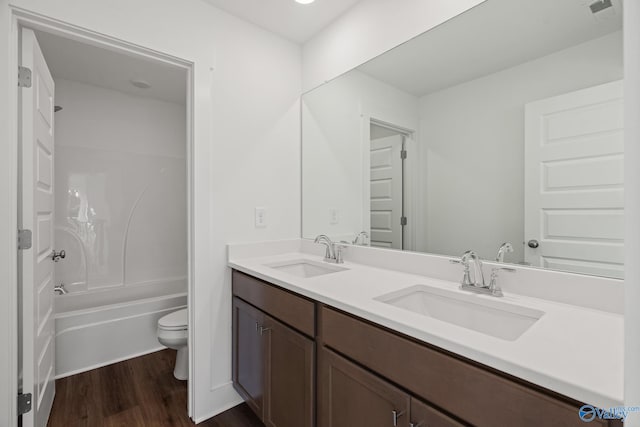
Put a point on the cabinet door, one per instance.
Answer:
(423, 415)
(248, 354)
(349, 396)
(289, 396)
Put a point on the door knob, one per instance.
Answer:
(533, 244)
(57, 256)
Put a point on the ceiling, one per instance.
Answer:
(294, 21)
(493, 36)
(83, 63)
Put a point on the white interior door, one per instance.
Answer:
(37, 314)
(386, 192)
(574, 201)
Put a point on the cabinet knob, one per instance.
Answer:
(396, 416)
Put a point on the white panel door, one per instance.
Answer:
(386, 192)
(574, 187)
(38, 339)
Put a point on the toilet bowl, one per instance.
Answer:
(173, 333)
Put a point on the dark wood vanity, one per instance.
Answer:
(300, 363)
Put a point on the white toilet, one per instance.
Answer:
(173, 333)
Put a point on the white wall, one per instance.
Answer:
(246, 154)
(474, 139)
(632, 210)
(336, 126)
(120, 188)
(368, 29)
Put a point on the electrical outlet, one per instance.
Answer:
(261, 217)
(334, 216)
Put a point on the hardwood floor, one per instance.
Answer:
(137, 392)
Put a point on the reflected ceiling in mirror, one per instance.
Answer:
(503, 124)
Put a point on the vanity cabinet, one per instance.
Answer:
(273, 364)
(368, 375)
(471, 392)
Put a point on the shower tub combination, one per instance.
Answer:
(95, 328)
(121, 217)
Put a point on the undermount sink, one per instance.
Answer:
(488, 316)
(306, 268)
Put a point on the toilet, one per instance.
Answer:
(173, 333)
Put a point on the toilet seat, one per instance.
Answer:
(176, 321)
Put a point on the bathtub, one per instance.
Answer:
(98, 327)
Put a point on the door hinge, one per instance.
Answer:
(24, 403)
(403, 221)
(24, 77)
(24, 239)
(403, 154)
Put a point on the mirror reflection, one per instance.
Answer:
(504, 136)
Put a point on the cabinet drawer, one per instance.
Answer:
(470, 392)
(293, 310)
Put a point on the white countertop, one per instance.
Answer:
(572, 350)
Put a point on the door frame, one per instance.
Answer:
(408, 185)
(20, 18)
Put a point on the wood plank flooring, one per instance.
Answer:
(140, 392)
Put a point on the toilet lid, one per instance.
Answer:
(174, 321)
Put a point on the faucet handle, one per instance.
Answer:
(338, 248)
(466, 279)
(493, 284)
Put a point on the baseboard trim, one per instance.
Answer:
(223, 398)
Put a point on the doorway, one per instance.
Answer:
(104, 201)
(387, 181)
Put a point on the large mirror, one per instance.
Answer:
(502, 125)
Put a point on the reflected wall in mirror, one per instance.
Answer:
(502, 125)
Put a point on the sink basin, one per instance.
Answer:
(306, 268)
(488, 316)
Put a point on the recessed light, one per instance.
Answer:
(141, 84)
(305, 1)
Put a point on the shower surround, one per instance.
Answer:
(120, 188)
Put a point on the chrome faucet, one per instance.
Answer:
(477, 284)
(60, 289)
(333, 252)
(363, 237)
(478, 274)
(323, 239)
(505, 248)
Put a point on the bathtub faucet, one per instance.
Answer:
(60, 289)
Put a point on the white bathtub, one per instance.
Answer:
(100, 327)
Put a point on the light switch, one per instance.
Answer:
(334, 216)
(261, 217)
